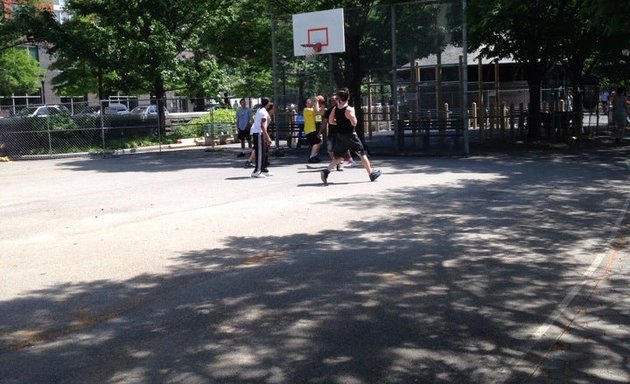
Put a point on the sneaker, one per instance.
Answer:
(349, 164)
(314, 159)
(249, 164)
(375, 174)
(266, 172)
(258, 175)
(339, 168)
(242, 154)
(324, 175)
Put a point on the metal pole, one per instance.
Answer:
(274, 61)
(284, 85)
(465, 79)
(394, 83)
(43, 96)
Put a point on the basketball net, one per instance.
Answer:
(311, 50)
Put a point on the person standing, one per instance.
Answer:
(243, 126)
(344, 116)
(330, 129)
(603, 99)
(620, 113)
(570, 101)
(310, 129)
(261, 138)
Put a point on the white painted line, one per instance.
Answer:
(564, 304)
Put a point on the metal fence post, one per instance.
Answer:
(49, 135)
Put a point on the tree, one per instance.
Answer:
(368, 38)
(150, 39)
(583, 35)
(19, 72)
(526, 31)
(583, 48)
(85, 57)
(239, 38)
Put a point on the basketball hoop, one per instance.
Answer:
(311, 50)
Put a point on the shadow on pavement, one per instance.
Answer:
(447, 288)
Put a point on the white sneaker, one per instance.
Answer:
(349, 164)
(258, 175)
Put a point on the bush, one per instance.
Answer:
(53, 123)
(194, 128)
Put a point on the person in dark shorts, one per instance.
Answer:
(310, 112)
(243, 126)
(261, 138)
(345, 118)
(330, 129)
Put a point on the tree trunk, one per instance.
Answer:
(578, 108)
(534, 119)
(199, 102)
(160, 93)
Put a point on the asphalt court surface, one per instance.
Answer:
(177, 267)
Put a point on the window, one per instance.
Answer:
(61, 16)
(33, 51)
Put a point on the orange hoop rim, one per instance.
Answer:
(316, 47)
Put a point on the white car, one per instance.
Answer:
(120, 109)
(44, 111)
(147, 110)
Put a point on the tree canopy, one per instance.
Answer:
(542, 33)
(19, 72)
(203, 48)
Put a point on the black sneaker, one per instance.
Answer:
(339, 168)
(242, 154)
(375, 174)
(324, 175)
(314, 159)
(249, 164)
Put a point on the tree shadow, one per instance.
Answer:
(448, 287)
(169, 161)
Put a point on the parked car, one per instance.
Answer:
(118, 108)
(44, 111)
(111, 109)
(147, 110)
(92, 111)
(212, 107)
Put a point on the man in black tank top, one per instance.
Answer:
(344, 117)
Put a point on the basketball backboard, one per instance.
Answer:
(322, 28)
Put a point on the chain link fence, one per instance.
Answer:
(415, 86)
(107, 127)
(420, 90)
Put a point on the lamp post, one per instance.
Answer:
(625, 52)
(43, 94)
(284, 82)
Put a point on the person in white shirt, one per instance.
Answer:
(261, 138)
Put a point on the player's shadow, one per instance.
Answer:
(320, 184)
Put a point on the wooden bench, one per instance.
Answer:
(291, 133)
(426, 128)
(219, 133)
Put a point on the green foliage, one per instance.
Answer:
(15, 23)
(59, 122)
(19, 72)
(85, 57)
(194, 128)
(539, 34)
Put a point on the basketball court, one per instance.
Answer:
(179, 267)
